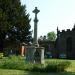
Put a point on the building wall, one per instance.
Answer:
(66, 43)
(49, 46)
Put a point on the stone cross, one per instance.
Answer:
(35, 11)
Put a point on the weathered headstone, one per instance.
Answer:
(30, 53)
(39, 55)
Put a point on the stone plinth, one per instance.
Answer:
(35, 54)
(30, 53)
(39, 55)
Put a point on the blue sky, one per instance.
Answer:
(52, 13)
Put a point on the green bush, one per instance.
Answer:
(15, 62)
(51, 67)
(16, 65)
(57, 66)
(6, 51)
(1, 55)
(38, 68)
(19, 63)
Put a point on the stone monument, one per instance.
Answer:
(35, 11)
(39, 53)
(34, 52)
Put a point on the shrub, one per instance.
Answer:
(1, 55)
(51, 67)
(57, 66)
(38, 68)
(15, 62)
(19, 63)
(6, 51)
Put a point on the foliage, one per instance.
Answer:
(51, 67)
(57, 67)
(20, 72)
(15, 62)
(6, 51)
(12, 72)
(1, 55)
(51, 36)
(42, 38)
(19, 63)
(14, 22)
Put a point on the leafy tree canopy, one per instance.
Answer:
(14, 21)
(51, 36)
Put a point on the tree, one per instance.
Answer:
(51, 36)
(42, 38)
(14, 22)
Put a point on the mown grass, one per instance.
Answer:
(69, 71)
(11, 72)
(19, 63)
(71, 67)
(20, 72)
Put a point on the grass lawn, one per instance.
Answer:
(19, 72)
(69, 71)
(71, 68)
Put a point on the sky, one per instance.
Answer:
(52, 13)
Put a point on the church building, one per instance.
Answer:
(65, 43)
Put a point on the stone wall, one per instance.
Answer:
(66, 43)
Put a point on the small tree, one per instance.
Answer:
(51, 36)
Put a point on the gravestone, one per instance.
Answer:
(35, 54)
(30, 53)
(39, 55)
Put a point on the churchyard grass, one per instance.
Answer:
(71, 67)
(20, 72)
(9, 70)
(19, 63)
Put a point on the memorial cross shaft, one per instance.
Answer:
(35, 11)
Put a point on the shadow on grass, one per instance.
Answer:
(21, 72)
(38, 73)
